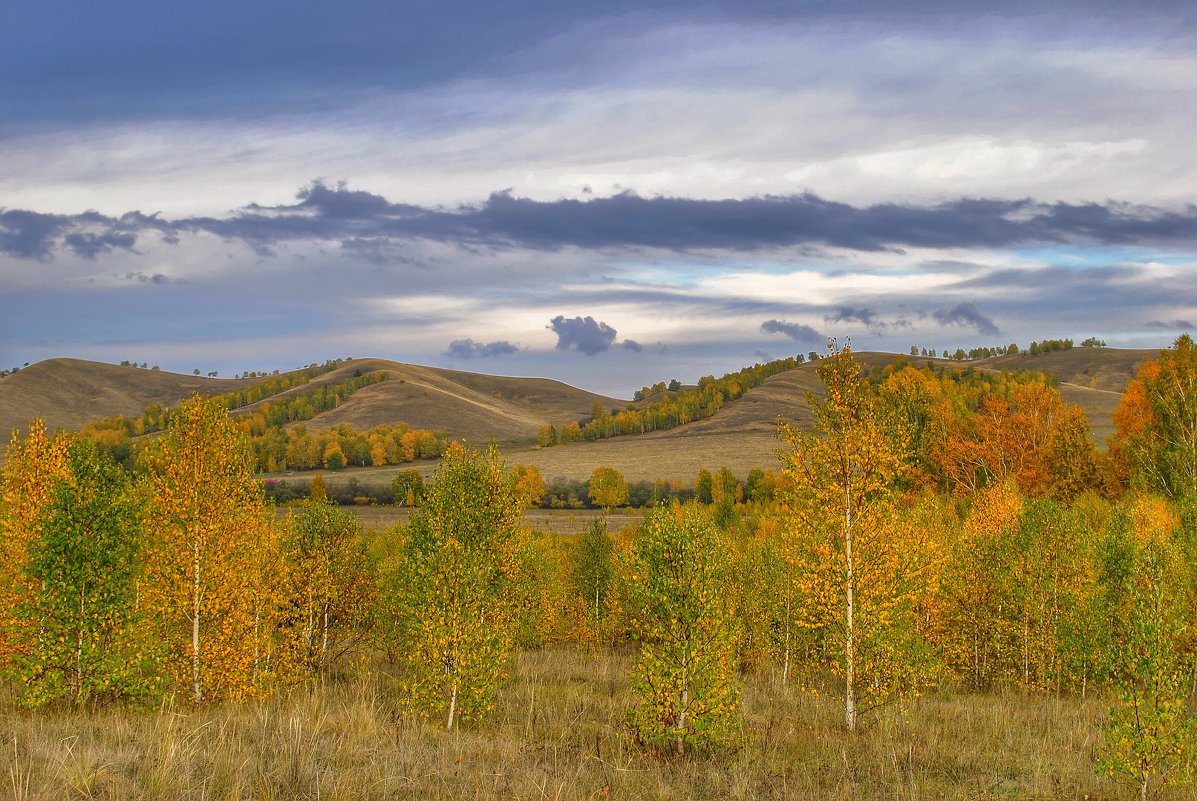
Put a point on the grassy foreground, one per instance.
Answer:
(557, 733)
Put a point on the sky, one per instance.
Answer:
(609, 193)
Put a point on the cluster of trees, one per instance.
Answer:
(878, 572)
(298, 448)
(180, 580)
(1051, 346)
(121, 435)
(11, 370)
(985, 352)
(960, 354)
(668, 408)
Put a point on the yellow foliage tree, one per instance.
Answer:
(859, 565)
(212, 555)
(975, 629)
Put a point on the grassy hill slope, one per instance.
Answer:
(468, 406)
(68, 393)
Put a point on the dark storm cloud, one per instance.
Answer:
(336, 213)
(785, 221)
(966, 315)
(632, 345)
(469, 349)
(795, 331)
(583, 334)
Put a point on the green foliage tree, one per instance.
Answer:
(594, 573)
(685, 678)
(460, 567)
(408, 487)
(1151, 731)
(90, 643)
(607, 487)
(726, 492)
(703, 486)
(1156, 422)
(334, 457)
(332, 584)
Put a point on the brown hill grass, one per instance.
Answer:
(68, 393)
(469, 406)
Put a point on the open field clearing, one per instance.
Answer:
(557, 733)
(555, 521)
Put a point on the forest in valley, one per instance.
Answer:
(943, 586)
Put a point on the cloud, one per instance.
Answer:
(795, 331)
(632, 345)
(340, 202)
(30, 235)
(469, 349)
(90, 245)
(356, 218)
(848, 314)
(966, 315)
(583, 334)
(142, 278)
(762, 356)
(1173, 325)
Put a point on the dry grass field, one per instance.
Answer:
(381, 519)
(558, 732)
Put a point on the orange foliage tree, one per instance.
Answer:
(1155, 437)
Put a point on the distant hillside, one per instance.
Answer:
(743, 434)
(469, 406)
(68, 393)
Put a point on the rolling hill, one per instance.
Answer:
(67, 393)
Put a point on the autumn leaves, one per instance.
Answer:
(182, 580)
(933, 529)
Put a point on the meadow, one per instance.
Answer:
(558, 732)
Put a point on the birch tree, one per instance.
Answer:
(33, 468)
(85, 564)
(842, 532)
(685, 678)
(210, 535)
(460, 566)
